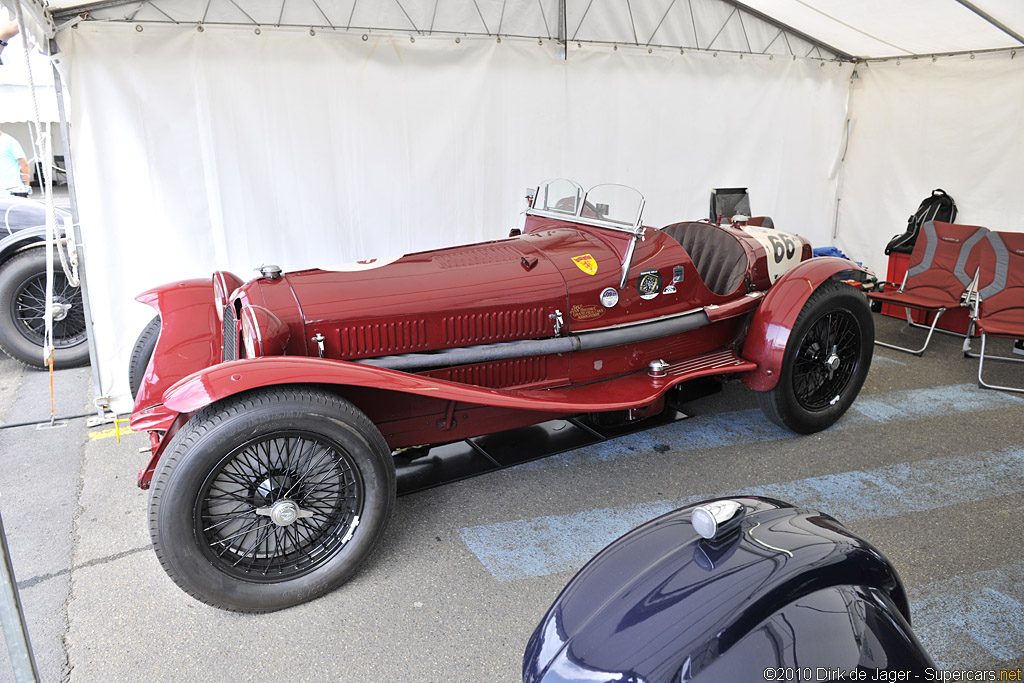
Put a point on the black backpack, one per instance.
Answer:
(937, 207)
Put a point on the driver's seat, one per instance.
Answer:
(719, 257)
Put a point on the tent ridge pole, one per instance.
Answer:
(992, 20)
(846, 57)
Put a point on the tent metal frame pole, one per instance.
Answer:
(561, 37)
(99, 400)
(792, 31)
(992, 20)
(12, 616)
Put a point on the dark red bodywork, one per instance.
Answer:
(475, 296)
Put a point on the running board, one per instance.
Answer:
(492, 452)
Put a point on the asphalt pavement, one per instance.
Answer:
(925, 465)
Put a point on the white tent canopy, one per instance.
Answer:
(213, 134)
(868, 29)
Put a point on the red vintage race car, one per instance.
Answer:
(275, 407)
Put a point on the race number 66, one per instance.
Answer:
(783, 247)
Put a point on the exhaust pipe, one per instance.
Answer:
(584, 341)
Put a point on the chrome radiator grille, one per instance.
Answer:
(230, 334)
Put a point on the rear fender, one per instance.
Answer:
(190, 337)
(773, 322)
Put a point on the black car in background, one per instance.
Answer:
(742, 589)
(23, 289)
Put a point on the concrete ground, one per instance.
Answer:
(926, 466)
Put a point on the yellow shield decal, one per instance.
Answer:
(586, 263)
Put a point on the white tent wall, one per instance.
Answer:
(956, 123)
(223, 149)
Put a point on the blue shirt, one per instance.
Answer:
(10, 169)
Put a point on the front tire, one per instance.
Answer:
(271, 498)
(826, 360)
(142, 352)
(22, 307)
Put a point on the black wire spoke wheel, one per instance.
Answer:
(28, 308)
(827, 360)
(270, 498)
(278, 507)
(23, 309)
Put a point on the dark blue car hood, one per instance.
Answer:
(662, 603)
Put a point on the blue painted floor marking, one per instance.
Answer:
(751, 426)
(541, 546)
(971, 618)
(877, 358)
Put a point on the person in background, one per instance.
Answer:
(14, 174)
(8, 29)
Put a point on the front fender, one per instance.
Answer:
(770, 328)
(190, 339)
(18, 241)
(661, 603)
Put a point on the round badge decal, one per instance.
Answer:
(609, 297)
(648, 285)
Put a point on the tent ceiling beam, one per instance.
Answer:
(554, 27)
(69, 12)
(934, 55)
(153, 5)
(582, 19)
(846, 57)
(992, 20)
(315, 4)
(632, 23)
(655, 31)
(397, 2)
(481, 15)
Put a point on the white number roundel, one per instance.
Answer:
(784, 249)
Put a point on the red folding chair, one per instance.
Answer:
(942, 270)
(999, 311)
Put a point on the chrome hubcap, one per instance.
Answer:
(284, 512)
(832, 363)
(60, 310)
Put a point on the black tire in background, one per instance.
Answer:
(23, 303)
(826, 360)
(270, 498)
(141, 353)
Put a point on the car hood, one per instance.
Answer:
(491, 272)
(662, 601)
(483, 293)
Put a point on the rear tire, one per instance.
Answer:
(23, 304)
(142, 352)
(827, 358)
(270, 498)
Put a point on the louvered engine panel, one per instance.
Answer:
(497, 375)
(492, 326)
(481, 256)
(375, 339)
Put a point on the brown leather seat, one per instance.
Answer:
(719, 257)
